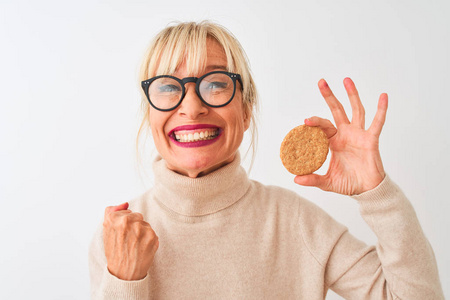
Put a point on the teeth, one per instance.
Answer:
(197, 136)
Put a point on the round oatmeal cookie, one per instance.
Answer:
(304, 149)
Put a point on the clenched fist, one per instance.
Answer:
(130, 243)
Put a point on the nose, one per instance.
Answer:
(192, 106)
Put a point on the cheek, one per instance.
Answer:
(153, 125)
(157, 121)
(237, 124)
(240, 118)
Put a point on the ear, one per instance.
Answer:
(247, 118)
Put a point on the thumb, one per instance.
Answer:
(311, 180)
(111, 209)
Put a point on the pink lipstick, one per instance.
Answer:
(198, 135)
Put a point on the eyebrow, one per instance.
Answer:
(214, 67)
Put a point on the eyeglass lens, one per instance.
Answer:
(215, 89)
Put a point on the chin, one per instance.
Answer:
(201, 164)
(197, 165)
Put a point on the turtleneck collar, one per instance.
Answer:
(203, 195)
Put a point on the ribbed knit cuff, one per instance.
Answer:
(115, 288)
(381, 196)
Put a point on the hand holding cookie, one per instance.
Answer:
(355, 164)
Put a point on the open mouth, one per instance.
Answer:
(203, 135)
(195, 134)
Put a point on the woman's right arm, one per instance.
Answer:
(121, 254)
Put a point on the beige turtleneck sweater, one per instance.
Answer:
(223, 236)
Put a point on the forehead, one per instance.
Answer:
(215, 52)
(215, 59)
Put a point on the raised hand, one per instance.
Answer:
(130, 243)
(355, 165)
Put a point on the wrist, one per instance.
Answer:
(372, 182)
(127, 275)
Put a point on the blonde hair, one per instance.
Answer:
(186, 43)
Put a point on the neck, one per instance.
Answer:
(200, 195)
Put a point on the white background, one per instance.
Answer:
(70, 96)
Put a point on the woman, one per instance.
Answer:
(207, 231)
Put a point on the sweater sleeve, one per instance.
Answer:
(104, 285)
(401, 266)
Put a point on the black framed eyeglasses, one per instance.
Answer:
(215, 89)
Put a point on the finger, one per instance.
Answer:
(324, 124)
(335, 106)
(358, 113)
(380, 116)
(111, 209)
(124, 219)
(311, 180)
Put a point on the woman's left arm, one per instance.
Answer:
(407, 261)
(355, 165)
